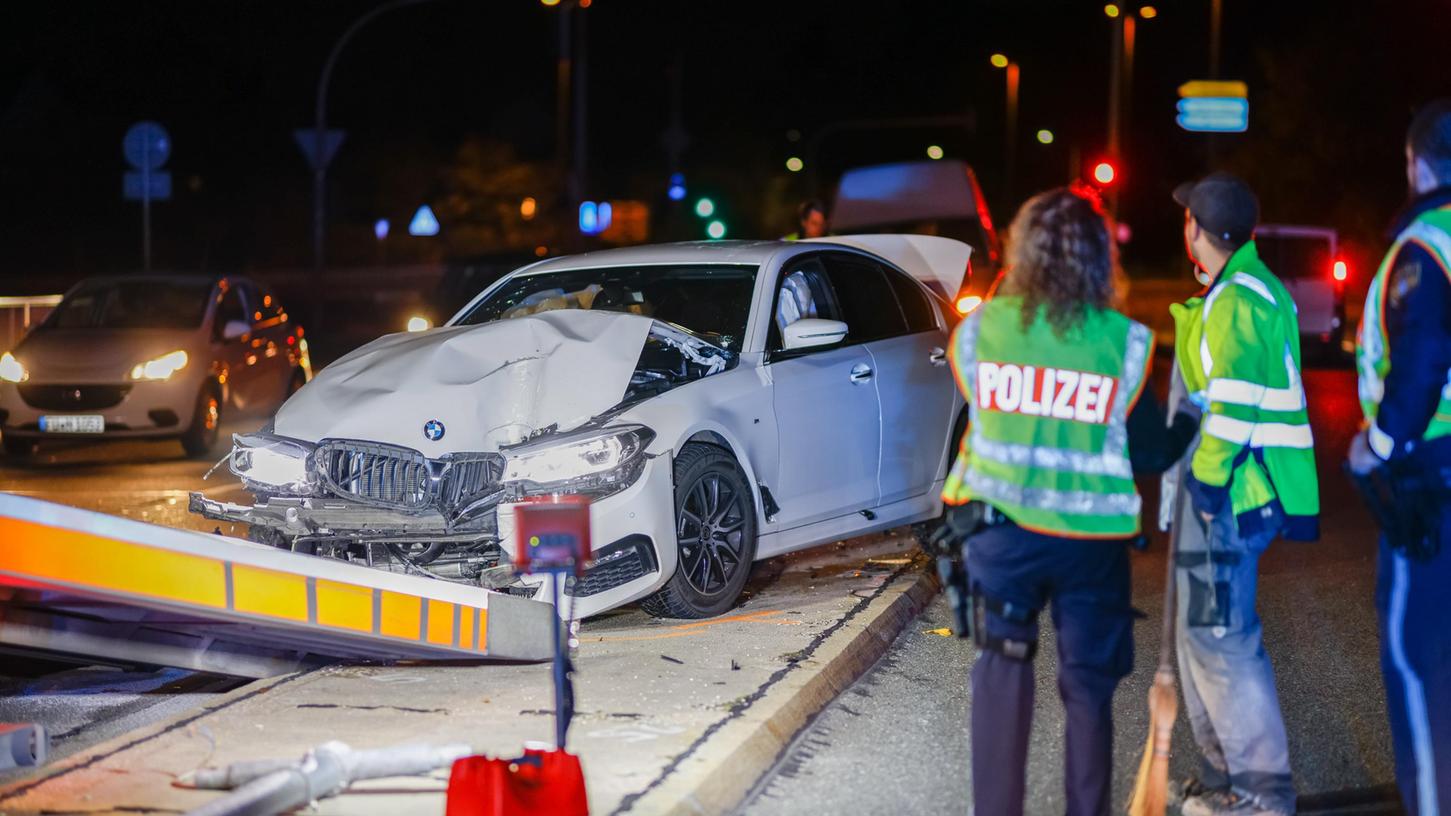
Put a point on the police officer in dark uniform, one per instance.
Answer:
(1044, 497)
(1403, 462)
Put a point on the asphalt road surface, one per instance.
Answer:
(896, 741)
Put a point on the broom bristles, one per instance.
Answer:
(1151, 787)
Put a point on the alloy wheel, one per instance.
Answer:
(711, 532)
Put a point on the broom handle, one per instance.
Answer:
(1171, 585)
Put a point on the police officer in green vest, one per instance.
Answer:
(1404, 361)
(1060, 420)
(1251, 478)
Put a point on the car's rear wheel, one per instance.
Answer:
(715, 528)
(18, 447)
(201, 438)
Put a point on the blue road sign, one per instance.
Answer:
(146, 146)
(306, 139)
(155, 185)
(424, 222)
(1214, 114)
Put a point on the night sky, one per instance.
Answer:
(1332, 87)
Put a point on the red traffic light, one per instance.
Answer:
(1104, 173)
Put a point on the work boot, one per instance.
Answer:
(1181, 791)
(1226, 803)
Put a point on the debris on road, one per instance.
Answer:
(277, 786)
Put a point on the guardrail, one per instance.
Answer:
(22, 312)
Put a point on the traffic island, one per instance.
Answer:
(673, 716)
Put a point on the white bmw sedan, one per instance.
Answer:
(719, 403)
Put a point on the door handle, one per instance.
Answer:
(860, 373)
(937, 357)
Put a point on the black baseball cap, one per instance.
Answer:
(1223, 204)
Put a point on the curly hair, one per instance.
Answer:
(1061, 258)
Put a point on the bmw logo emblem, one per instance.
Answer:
(433, 429)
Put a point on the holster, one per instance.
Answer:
(1408, 498)
(982, 604)
(946, 546)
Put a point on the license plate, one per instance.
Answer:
(88, 423)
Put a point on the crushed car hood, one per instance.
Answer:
(489, 386)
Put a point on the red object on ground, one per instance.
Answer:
(540, 782)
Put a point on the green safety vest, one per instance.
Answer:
(1048, 441)
(1432, 231)
(1238, 350)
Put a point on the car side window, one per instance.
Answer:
(228, 310)
(251, 302)
(868, 304)
(803, 291)
(916, 307)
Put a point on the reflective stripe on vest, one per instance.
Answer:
(1244, 392)
(1430, 231)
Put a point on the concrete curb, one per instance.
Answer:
(719, 771)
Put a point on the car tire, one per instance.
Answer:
(713, 501)
(18, 448)
(200, 439)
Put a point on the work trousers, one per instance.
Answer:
(1411, 599)
(1087, 583)
(1228, 682)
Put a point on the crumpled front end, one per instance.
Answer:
(409, 454)
(381, 504)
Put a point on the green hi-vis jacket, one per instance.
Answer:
(1048, 441)
(1238, 350)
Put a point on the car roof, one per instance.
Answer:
(686, 252)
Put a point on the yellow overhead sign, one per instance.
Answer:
(1209, 87)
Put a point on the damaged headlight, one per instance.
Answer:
(599, 462)
(273, 463)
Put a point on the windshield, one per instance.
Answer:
(713, 301)
(139, 304)
(1292, 257)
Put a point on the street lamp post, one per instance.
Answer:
(319, 176)
(1123, 31)
(1010, 122)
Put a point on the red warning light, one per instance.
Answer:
(1104, 173)
(1340, 271)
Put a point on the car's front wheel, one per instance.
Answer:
(201, 438)
(715, 530)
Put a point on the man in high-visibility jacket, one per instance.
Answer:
(1252, 478)
(1403, 357)
(1060, 422)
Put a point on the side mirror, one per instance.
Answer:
(810, 332)
(235, 329)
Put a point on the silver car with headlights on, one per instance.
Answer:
(150, 356)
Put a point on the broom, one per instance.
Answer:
(1151, 788)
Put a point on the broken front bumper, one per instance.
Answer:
(295, 516)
